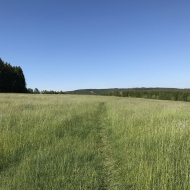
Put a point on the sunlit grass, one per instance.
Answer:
(150, 143)
(93, 142)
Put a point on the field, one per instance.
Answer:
(93, 142)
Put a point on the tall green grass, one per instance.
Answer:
(150, 141)
(93, 142)
(48, 142)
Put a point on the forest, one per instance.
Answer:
(11, 78)
(153, 93)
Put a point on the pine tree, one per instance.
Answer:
(11, 78)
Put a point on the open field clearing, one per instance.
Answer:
(93, 142)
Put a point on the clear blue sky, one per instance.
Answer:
(77, 44)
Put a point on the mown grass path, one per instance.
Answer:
(107, 173)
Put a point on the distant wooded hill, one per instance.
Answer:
(93, 91)
(150, 93)
(109, 91)
(11, 78)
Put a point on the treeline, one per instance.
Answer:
(52, 92)
(93, 91)
(36, 91)
(160, 94)
(11, 78)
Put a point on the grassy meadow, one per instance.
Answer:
(93, 142)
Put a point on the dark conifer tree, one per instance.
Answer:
(11, 78)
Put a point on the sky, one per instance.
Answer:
(85, 44)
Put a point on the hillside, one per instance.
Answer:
(103, 91)
(93, 91)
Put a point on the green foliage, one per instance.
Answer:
(30, 90)
(36, 91)
(52, 92)
(11, 78)
(94, 91)
(188, 98)
(161, 94)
